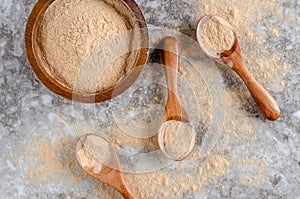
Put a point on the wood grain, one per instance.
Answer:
(264, 101)
(111, 176)
(173, 110)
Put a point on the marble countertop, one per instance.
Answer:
(32, 118)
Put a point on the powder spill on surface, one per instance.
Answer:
(245, 18)
(178, 138)
(171, 182)
(69, 33)
(50, 161)
(217, 35)
(167, 183)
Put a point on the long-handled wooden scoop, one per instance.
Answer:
(109, 175)
(233, 58)
(173, 110)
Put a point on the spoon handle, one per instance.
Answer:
(115, 179)
(125, 192)
(171, 63)
(264, 101)
(173, 110)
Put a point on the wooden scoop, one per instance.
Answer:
(233, 58)
(111, 176)
(173, 109)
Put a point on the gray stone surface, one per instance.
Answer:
(31, 113)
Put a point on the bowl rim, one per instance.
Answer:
(55, 86)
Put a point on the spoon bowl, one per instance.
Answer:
(233, 58)
(109, 174)
(214, 54)
(173, 110)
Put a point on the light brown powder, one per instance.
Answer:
(214, 166)
(171, 183)
(52, 160)
(122, 139)
(94, 153)
(178, 138)
(168, 183)
(245, 16)
(71, 31)
(89, 161)
(274, 32)
(217, 35)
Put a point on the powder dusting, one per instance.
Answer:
(178, 138)
(122, 139)
(71, 31)
(169, 183)
(52, 161)
(217, 35)
(245, 16)
(214, 166)
(242, 15)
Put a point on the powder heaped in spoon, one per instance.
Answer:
(95, 153)
(217, 35)
(178, 138)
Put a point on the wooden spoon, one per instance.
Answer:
(233, 58)
(111, 176)
(173, 109)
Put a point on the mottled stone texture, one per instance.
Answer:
(29, 111)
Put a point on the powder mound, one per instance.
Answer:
(88, 161)
(70, 33)
(178, 138)
(217, 35)
(95, 153)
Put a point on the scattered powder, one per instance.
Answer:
(57, 158)
(122, 139)
(217, 35)
(245, 17)
(256, 169)
(214, 167)
(169, 183)
(71, 31)
(274, 32)
(265, 64)
(239, 125)
(52, 161)
(240, 14)
(94, 153)
(239, 130)
(178, 138)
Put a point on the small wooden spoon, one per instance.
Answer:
(108, 175)
(173, 109)
(233, 58)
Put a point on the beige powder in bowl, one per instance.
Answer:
(217, 35)
(69, 35)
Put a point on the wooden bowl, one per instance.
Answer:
(123, 84)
